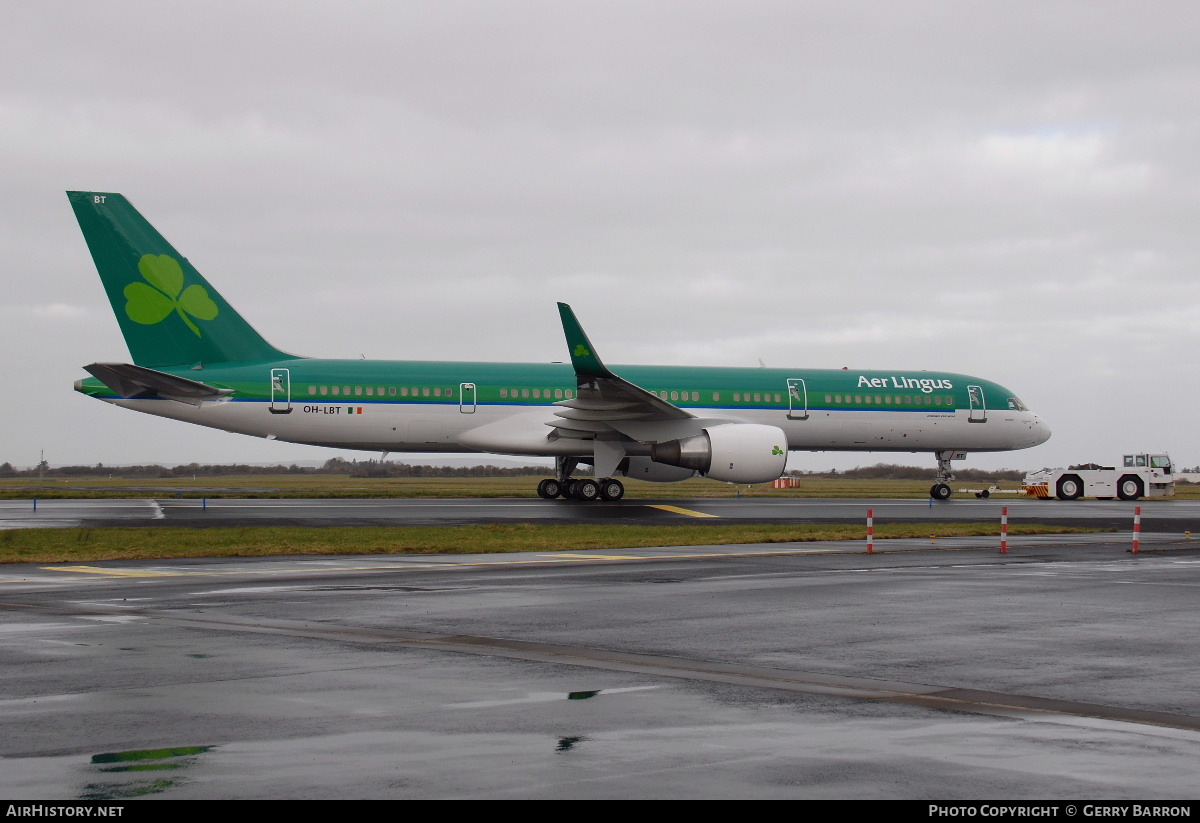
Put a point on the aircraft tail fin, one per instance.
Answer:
(168, 312)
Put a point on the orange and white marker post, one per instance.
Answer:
(1137, 529)
(1004, 530)
(870, 531)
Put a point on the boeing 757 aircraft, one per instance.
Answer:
(195, 359)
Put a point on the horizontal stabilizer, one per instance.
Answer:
(131, 382)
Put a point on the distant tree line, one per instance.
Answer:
(892, 471)
(335, 465)
(388, 468)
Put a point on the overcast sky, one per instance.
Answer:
(1008, 190)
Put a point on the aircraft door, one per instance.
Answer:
(978, 413)
(797, 399)
(466, 398)
(281, 391)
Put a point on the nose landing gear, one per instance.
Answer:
(940, 490)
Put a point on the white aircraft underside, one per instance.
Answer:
(401, 427)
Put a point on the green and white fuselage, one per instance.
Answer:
(398, 406)
(197, 360)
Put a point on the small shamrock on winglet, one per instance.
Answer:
(581, 351)
(165, 294)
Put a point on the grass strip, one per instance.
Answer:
(339, 487)
(91, 544)
(283, 486)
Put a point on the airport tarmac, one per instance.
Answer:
(1064, 669)
(1158, 515)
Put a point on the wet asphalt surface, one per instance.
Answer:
(1158, 515)
(1064, 669)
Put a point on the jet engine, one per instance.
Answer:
(732, 452)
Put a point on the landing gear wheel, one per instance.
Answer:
(611, 490)
(549, 489)
(940, 491)
(586, 490)
(1130, 487)
(1069, 487)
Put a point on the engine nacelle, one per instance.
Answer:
(732, 452)
(643, 468)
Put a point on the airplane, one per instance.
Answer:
(195, 359)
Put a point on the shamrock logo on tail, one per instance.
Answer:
(150, 304)
(581, 351)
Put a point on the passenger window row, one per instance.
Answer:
(674, 396)
(382, 391)
(538, 394)
(890, 399)
(757, 397)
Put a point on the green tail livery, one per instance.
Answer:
(168, 312)
(196, 360)
(154, 303)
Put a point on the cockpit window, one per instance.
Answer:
(1015, 404)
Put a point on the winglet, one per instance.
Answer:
(583, 353)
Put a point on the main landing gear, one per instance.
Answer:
(940, 490)
(565, 486)
(585, 489)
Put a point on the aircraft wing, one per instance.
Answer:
(131, 381)
(604, 402)
(608, 407)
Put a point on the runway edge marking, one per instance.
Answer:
(681, 510)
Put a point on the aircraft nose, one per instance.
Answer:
(1040, 430)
